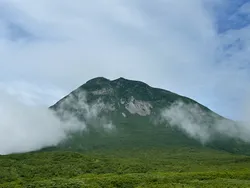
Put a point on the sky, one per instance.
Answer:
(196, 48)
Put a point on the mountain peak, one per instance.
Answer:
(129, 83)
(101, 88)
(120, 79)
(98, 80)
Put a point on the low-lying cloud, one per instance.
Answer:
(202, 125)
(26, 128)
(188, 118)
(76, 105)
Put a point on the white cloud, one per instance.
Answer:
(167, 43)
(32, 94)
(26, 128)
(197, 124)
(189, 118)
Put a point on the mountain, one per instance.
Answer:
(125, 113)
(124, 133)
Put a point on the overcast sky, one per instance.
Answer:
(197, 48)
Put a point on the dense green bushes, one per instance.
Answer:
(173, 167)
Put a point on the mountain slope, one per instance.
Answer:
(131, 114)
(180, 167)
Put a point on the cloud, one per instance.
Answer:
(202, 125)
(76, 104)
(188, 118)
(25, 127)
(32, 94)
(170, 44)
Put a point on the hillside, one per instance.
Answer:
(125, 113)
(158, 168)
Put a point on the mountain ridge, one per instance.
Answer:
(102, 80)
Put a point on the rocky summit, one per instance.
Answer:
(124, 113)
(121, 95)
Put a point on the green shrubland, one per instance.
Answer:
(172, 167)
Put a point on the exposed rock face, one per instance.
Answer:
(104, 91)
(141, 108)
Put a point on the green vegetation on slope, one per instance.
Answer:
(172, 167)
(101, 101)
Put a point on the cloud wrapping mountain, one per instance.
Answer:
(202, 126)
(26, 128)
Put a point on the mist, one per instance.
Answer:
(25, 128)
(202, 125)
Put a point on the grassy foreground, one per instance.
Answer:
(175, 167)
